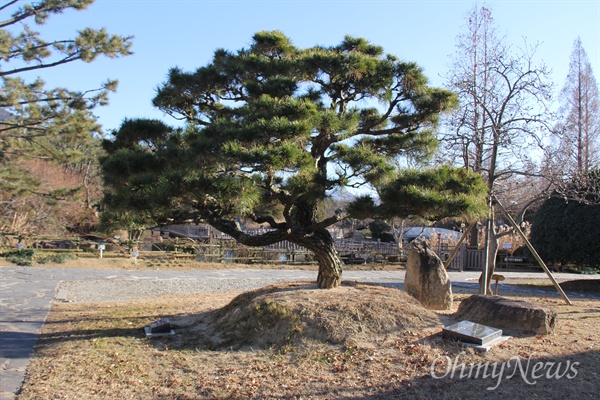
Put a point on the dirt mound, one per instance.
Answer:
(292, 313)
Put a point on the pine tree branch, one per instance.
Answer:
(19, 51)
(41, 10)
(65, 60)
(269, 220)
(8, 4)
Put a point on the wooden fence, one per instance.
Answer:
(206, 244)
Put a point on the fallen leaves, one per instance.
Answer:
(77, 358)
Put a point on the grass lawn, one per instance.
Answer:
(293, 341)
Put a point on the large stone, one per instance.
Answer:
(426, 278)
(500, 312)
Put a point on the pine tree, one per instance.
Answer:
(273, 131)
(40, 123)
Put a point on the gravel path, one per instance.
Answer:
(94, 291)
(135, 285)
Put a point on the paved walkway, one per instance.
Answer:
(26, 295)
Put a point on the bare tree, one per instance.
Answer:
(477, 46)
(503, 113)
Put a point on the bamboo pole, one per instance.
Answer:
(534, 252)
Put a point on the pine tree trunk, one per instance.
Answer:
(319, 242)
(330, 265)
(330, 271)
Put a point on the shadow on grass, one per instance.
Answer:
(530, 290)
(452, 377)
(88, 328)
(568, 377)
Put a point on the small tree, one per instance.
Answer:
(274, 130)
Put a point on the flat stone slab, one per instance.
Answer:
(162, 327)
(471, 332)
(506, 313)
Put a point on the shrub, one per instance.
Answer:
(56, 258)
(23, 257)
(566, 232)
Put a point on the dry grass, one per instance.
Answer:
(292, 341)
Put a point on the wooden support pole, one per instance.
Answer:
(535, 254)
(489, 230)
(457, 247)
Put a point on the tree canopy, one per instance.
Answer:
(273, 130)
(41, 124)
(37, 121)
(37, 116)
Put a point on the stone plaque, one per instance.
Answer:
(162, 327)
(471, 332)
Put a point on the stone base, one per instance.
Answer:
(488, 345)
(500, 312)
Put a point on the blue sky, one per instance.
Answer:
(185, 33)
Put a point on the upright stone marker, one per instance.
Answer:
(426, 278)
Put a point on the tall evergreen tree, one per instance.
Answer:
(273, 130)
(578, 132)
